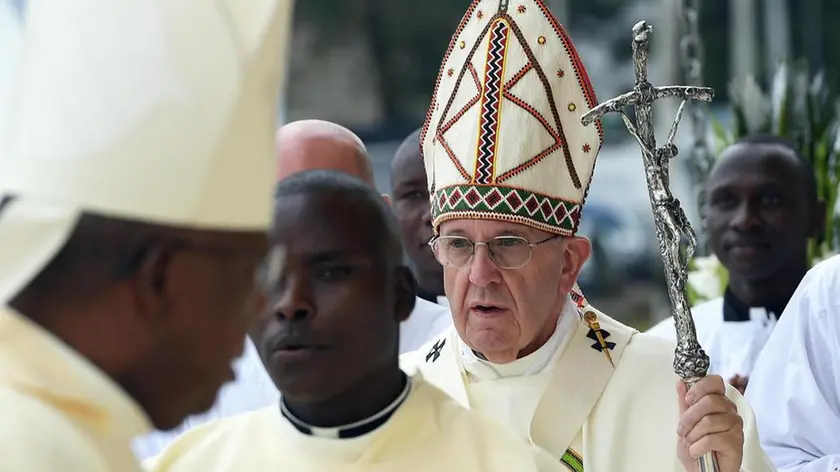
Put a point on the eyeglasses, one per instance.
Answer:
(507, 252)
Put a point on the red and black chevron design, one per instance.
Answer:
(491, 102)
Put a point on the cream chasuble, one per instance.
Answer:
(58, 412)
(586, 413)
(428, 433)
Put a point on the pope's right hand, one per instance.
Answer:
(709, 422)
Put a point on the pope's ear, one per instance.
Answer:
(576, 251)
(387, 198)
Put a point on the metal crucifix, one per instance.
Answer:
(690, 361)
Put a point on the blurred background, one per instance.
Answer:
(371, 64)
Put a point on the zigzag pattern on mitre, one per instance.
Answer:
(491, 102)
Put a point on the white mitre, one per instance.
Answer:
(157, 111)
(503, 138)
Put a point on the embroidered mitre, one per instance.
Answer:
(503, 139)
(148, 110)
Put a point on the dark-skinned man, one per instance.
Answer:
(410, 200)
(760, 211)
(137, 196)
(329, 340)
(302, 145)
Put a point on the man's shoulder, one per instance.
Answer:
(30, 427)
(203, 443)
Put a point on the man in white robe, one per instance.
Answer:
(760, 211)
(302, 145)
(135, 206)
(508, 165)
(795, 386)
(329, 338)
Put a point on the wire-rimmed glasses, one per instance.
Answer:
(507, 252)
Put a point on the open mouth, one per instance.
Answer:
(486, 310)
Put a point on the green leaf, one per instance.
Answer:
(720, 135)
(779, 92)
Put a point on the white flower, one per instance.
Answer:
(706, 263)
(706, 279)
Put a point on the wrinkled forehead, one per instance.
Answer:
(484, 229)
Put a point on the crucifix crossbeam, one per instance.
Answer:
(652, 94)
(672, 226)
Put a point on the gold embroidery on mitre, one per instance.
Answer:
(599, 335)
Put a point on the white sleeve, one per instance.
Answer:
(794, 387)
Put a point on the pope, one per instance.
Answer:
(509, 165)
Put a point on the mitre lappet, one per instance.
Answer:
(503, 138)
(120, 111)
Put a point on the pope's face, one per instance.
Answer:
(509, 313)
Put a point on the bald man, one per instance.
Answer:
(301, 146)
(321, 145)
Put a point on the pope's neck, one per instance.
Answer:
(775, 290)
(367, 397)
(482, 369)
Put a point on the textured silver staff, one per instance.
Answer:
(690, 361)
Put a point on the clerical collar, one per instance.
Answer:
(738, 311)
(353, 430)
(479, 369)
